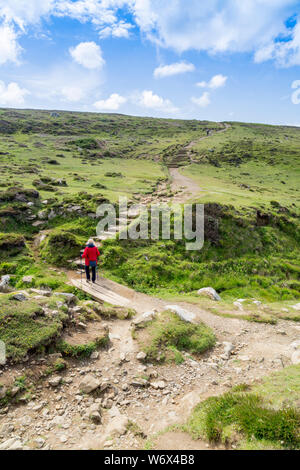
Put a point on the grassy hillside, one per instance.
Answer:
(56, 170)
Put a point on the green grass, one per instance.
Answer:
(249, 164)
(81, 350)
(23, 328)
(240, 258)
(265, 415)
(167, 335)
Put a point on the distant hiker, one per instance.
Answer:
(91, 255)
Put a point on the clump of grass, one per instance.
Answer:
(59, 247)
(81, 350)
(23, 328)
(245, 414)
(167, 335)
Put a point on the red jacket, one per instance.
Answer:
(91, 253)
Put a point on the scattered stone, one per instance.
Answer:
(238, 305)
(141, 356)
(40, 442)
(139, 383)
(95, 413)
(4, 284)
(296, 307)
(117, 426)
(209, 292)
(55, 381)
(43, 292)
(95, 355)
(12, 444)
(228, 348)
(19, 297)
(183, 314)
(158, 385)
(89, 384)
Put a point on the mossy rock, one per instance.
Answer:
(59, 247)
(11, 243)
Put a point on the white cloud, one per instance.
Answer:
(12, 94)
(117, 30)
(216, 26)
(216, 82)
(286, 53)
(203, 101)
(173, 69)
(112, 103)
(64, 83)
(150, 100)
(296, 94)
(229, 26)
(24, 12)
(9, 48)
(72, 93)
(88, 54)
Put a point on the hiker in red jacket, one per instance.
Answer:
(91, 255)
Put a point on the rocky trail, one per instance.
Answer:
(127, 403)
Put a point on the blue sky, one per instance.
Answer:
(196, 59)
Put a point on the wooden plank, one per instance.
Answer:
(99, 292)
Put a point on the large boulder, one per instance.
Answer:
(209, 292)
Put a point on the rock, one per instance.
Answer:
(95, 355)
(158, 385)
(257, 302)
(95, 413)
(228, 348)
(19, 297)
(89, 384)
(12, 444)
(4, 284)
(139, 383)
(295, 358)
(40, 442)
(238, 305)
(44, 293)
(296, 307)
(55, 381)
(144, 319)
(3, 391)
(295, 344)
(27, 279)
(71, 298)
(183, 314)
(141, 356)
(42, 214)
(117, 426)
(209, 292)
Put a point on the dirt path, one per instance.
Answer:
(187, 187)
